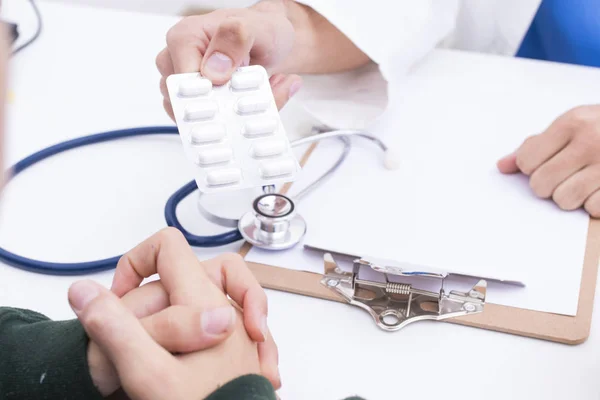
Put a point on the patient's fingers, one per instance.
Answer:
(231, 274)
(168, 254)
(184, 329)
(147, 299)
(268, 355)
(124, 341)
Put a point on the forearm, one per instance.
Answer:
(319, 47)
(42, 359)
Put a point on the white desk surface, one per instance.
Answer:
(93, 70)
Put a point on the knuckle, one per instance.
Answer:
(233, 258)
(568, 199)
(523, 165)
(175, 34)
(539, 187)
(581, 114)
(580, 146)
(158, 61)
(94, 321)
(95, 317)
(169, 326)
(563, 201)
(234, 29)
(586, 145)
(579, 118)
(170, 235)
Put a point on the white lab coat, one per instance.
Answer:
(396, 34)
(400, 32)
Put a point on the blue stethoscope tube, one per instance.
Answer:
(80, 268)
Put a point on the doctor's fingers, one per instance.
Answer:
(229, 48)
(547, 177)
(146, 370)
(165, 67)
(231, 274)
(284, 88)
(186, 44)
(538, 149)
(581, 189)
(168, 254)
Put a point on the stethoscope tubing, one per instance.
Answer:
(77, 268)
(90, 267)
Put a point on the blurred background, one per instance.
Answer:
(174, 7)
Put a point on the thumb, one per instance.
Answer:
(508, 164)
(228, 49)
(140, 363)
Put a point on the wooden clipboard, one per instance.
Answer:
(517, 321)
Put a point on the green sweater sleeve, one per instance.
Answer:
(43, 359)
(47, 360)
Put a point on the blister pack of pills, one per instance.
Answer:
(232, 133)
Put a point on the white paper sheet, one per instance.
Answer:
(448, 207)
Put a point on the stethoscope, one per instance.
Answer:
(273, 222)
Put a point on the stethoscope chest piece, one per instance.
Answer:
(273, 223)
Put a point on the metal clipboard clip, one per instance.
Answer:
(395, 305)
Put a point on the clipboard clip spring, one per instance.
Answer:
(395, 305)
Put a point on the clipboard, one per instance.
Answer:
(558, 328)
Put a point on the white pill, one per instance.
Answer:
(246, 80)
(215, 155)
(226, 176)
(200, 110)
(260, 126)
(272, 169)
(194, 87)
(252, 104)
(268, 148)
(207, 133)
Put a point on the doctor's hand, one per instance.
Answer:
(285, 37)
(563, 162)
(217, 43)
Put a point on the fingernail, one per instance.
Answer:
(217, 321)
(81, 294)
(295, 87)
(218, 64)
(263, 327)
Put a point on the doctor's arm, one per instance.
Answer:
(284, 36)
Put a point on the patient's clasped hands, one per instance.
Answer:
(178, 337)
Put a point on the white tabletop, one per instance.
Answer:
(93, 70)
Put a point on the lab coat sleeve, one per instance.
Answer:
(395, 34)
